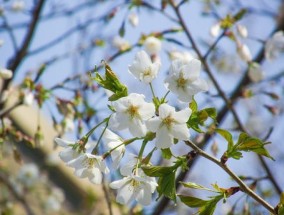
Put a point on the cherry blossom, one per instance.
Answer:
(90, 166)
(184, 80)
(131, 112)
(275, 45)
(169, 125)
(143, 68)
(136, 186)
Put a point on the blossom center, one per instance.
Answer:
(147, 72)
(168, 121)
(181, 82)
(133, 111)
(134, 185)
(89, 162)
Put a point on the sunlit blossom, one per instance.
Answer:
(136, 186)
(184, 80)
(143, 68)
(89, 166)
(169, 125)
(131, 112)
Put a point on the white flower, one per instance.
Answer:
(184, 80)
(185, 56)
(275, 45)
(143, 68)
(6, 73)
(255, 72)
(169, 125)
(120, 43)
(215, 30)
(242, 31)
(18, 5)
(136, 186)
(91, 166)
(133, 19)
(131, 112)
(28, 175)
(28, 98)
(152, 45)
(112, 141)
(244, 52)
(69, 153)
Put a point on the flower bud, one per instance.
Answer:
(255, 72)
(215, 30)
(242, 31)
(244, 52)
(152, 45)
(6, 73)
(133, 19)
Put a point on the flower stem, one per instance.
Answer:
(152, 90)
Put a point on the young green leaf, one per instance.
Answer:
(167, 186)
(228, 136)
(195, 186)
(158, 171)
(192, 202)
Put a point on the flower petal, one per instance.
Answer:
(163, 138)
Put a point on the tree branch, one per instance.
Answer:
(242, 185)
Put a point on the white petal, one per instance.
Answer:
(147, 111)
(63, 143)
(182, 116)
(165, 110)
(180, 131)
(68, 154)
(153, 124)
(144, 196)
(96, 176)
(125, 194)
(163, 138)
(119, 183)
(191, 70)
(137, 128)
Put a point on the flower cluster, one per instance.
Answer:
(145, 120)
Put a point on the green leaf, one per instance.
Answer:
(247, 143)
(228, 136)
(194, 186)
(158, 171)
(210, 206)
(192, 202)
(212, 113)
(193, 105)
(112, 83)
(122, 29)
(166, 153)
(240, 14)
(167, 186)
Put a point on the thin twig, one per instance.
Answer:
(242, 185)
